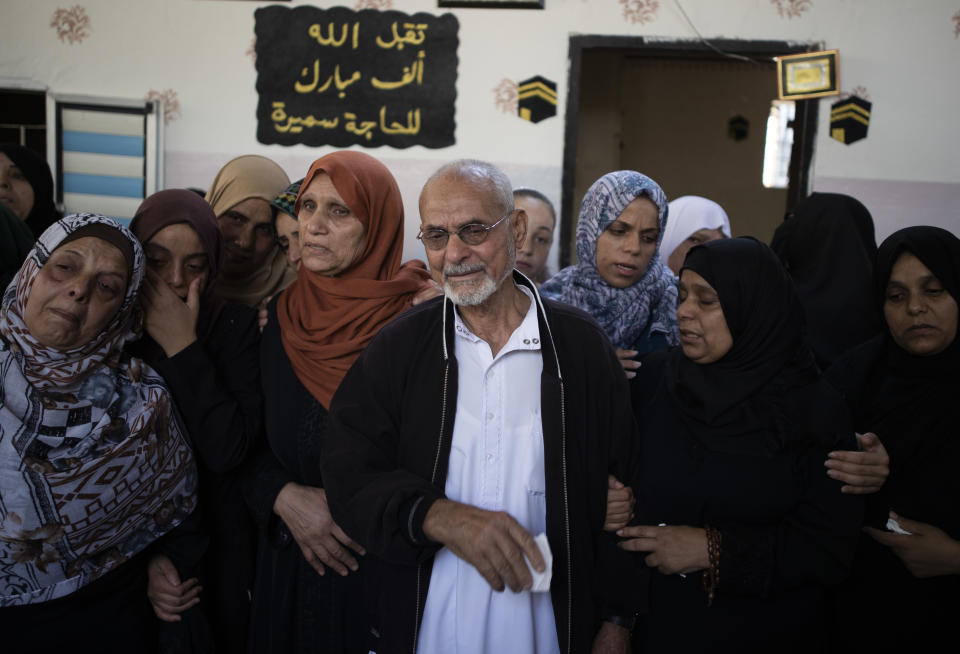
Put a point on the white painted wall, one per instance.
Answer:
(904, 53)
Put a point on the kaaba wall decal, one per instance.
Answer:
(536, 99)
(849, 119)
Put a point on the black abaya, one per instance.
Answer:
(911, 403)
(827, 246)
(738, 445)
(294, 608)
(216, 385)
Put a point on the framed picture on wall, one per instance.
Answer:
(492, 4)
(807, 75)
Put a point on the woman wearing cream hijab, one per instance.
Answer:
(253, 267)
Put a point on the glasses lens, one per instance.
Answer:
(435, 239)
(473, 234)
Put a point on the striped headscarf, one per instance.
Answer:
(623, 313)
(94, 465)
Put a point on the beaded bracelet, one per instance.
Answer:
(711, 576)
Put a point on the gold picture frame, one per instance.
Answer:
(807, 75)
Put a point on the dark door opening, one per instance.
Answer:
(665, 109)
(23, 119)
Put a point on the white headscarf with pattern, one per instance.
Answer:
(94, 464)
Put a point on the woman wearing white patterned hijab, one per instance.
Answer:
(94, 465)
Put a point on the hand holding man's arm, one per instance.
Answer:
(861, 472)
(493, 542)
(620, 503)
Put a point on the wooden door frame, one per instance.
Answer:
(804, 124)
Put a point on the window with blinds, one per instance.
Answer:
(107, 155)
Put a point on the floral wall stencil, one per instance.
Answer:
(373, 4)
(791, 8)
(956, 25)
(505, 96)
(72, 25)
(640, 11)
(171, 103)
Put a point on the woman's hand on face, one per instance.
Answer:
(305, 512)
(168, 596)
(862, 472)
(630, 365)
(620, 502)
(672, 550)
(926, 551)
(170, 321)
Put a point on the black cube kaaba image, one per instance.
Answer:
(849, 119)
(536, 99)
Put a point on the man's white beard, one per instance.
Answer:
(469, 294)
(472, 294)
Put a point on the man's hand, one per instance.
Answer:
(167, 595)
(611, 639)
(926, 552)
(493, 542)
(630, 365)
(305, 512)
(170, 321)
(862, 472)
(673, 550)
(620, 502)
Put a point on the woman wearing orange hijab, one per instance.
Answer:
(308, 591)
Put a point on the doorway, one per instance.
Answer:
(691, 118)
(23, 119)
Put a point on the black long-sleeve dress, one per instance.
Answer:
(787, 531)
(916, 415)
(215, 383)
(910, 401)
(295, 609)
(735, 439)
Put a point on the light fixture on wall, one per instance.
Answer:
(738, 128)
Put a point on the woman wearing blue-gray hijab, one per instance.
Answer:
(620, 279)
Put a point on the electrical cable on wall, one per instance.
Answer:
(709, 44)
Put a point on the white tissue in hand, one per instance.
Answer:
(541, 580)
(894, 526)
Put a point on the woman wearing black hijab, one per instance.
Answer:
(18, 165)
(741, 527)
(904, 387)
(208, 352)
(828, 246)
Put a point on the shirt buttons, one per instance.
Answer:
(490, 458)
(489, 416)
(526, 341)
(536, 340)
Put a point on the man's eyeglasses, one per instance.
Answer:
(436, 238)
